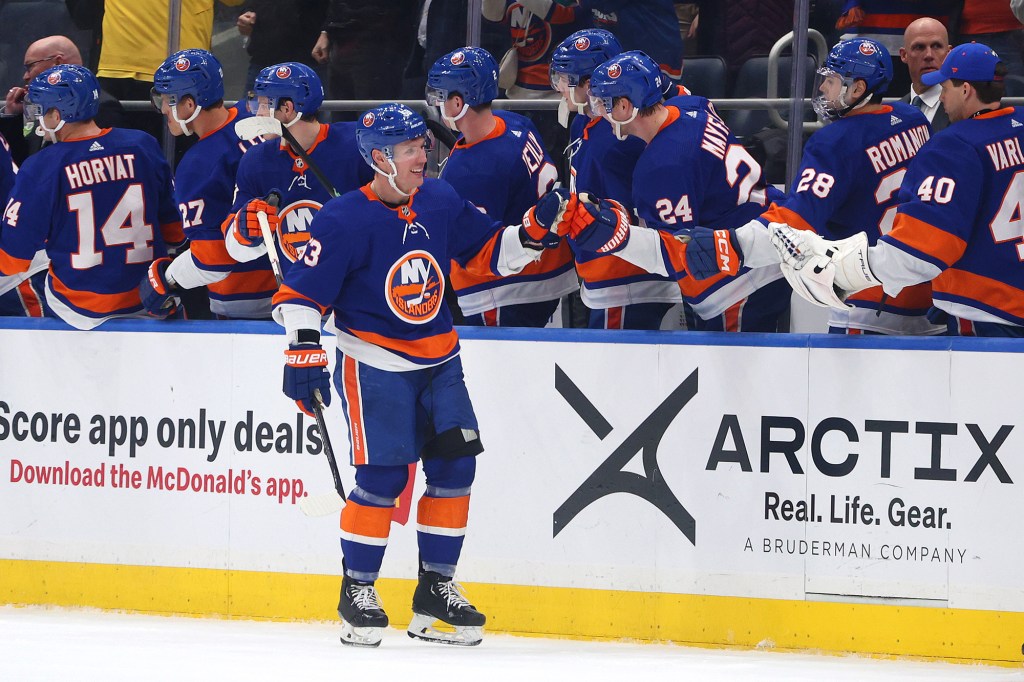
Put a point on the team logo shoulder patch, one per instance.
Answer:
(414, 288)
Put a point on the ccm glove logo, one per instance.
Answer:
(728, 260)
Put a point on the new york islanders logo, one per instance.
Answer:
(293, 235)
(182, 64)
(614, 71)
(458, 58)
(368, 119)
(867, 49)
(414, 288)
(53, 78)
(284, 71)
(582, 43)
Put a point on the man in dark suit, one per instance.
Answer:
(40, 56)
(925, 45)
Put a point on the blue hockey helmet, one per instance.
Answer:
(469, 71)
(579, 54)
(195, 73)
(290, 80)
(850, 61)
(69, 88)
(632, 75)
(384, 127)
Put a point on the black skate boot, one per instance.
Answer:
(363, 618)
(438, 597)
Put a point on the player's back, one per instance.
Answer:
(968, 182)
(504, 175)
(99, 203)
(204, 184)
(695, 172)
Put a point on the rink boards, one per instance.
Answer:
(795, 492)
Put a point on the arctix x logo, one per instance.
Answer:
(609, 477)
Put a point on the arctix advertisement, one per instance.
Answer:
(780, 468)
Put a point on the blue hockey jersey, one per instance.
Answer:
(603, 166)
(273, 165)
(648, 25)
(504, 175)
(103, 209)
(695, 172)
(849, 182)
(382, 271)
(204, 184)
(961, 208)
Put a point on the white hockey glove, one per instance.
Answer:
(853, 272)
(807, 265)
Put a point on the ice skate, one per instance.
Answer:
(362, 615)
(439, 598)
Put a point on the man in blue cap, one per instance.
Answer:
(960, 222)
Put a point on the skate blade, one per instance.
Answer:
(365, 637)
(422, 627)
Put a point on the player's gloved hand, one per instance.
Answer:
(807, 265)
(246, 228)
(599, 225)
(709, 252)
(545, 224)
(157, 290)
(305, 371)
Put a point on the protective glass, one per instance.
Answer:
(260, 105)
(600, 106)
(32, 112)
(436, 96)
(562, 81)
(829, 100)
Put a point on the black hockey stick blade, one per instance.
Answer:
(326, 503)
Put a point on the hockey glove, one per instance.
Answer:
(246, 228)
(305, 371)
(156, 290)
(807, 265)
(545, 224)
(709, 252)
(599, 225)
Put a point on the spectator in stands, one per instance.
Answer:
(367, 43)
(884, 22)
(992, 23)
(40, 56)
(925, 45)
(279, 31)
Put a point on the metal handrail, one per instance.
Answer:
(773, 73)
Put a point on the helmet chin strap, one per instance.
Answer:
(450, 122)
(617, 125)
(392, 175)
(184, 123)
(51, 133)
(289, 124)
(563, 108)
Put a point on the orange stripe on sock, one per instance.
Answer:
(443, 512)
(360, 519)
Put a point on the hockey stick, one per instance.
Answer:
(325, 503)
(257, 126)
(274, 198)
